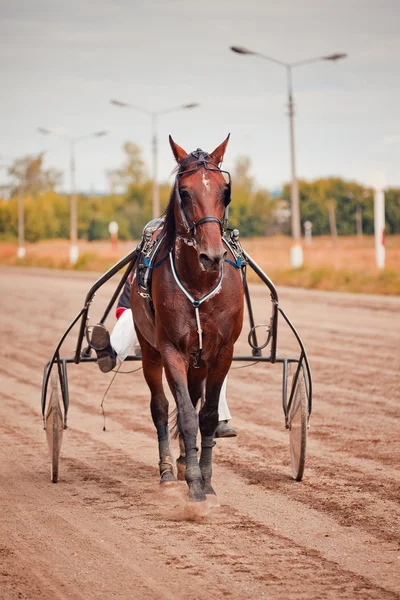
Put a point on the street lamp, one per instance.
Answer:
(296, 254)
(74, 250)
(154, 142)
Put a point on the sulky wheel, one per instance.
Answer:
(298, 425)
(54, 426)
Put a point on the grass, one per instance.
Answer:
(349, 267)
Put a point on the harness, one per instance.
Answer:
(150, 245)
(152, 242)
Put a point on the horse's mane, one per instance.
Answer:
(168, 230)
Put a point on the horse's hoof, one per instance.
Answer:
(181, 470)
(212, 500)
(167, 478)
(196, 492)
(196, 510)
(210, 494)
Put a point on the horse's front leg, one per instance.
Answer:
(176, 369)
(208, 418)
(196, 387)
(152, 370)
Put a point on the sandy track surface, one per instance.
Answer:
(106, 530)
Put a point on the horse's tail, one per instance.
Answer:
(173, 424)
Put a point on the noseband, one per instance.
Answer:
(203, 162)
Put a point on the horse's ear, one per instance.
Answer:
(179, 152)
(218, 155)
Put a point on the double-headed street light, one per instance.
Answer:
(296, 255)
(74, 250)
(154, 118)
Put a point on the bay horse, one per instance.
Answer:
(196, 317)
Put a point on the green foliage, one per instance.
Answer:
(316, 195)
(84, 261)
(97, 229)
(46, 216)
(252, 210)
(392, 211)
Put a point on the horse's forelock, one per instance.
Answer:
(186, 163)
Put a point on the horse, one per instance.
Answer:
(194, 318)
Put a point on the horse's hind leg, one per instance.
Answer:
(152, 370)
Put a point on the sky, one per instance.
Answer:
(62, 62)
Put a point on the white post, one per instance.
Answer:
(378, 182)
(379, 226)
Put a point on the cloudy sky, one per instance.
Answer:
(61, 63)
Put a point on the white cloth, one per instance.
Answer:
(224, 414)
(123, 336)
(124, 339)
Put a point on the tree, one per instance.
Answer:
(331, 204)
(132, 172)
(28, 174)
(392, 210)
(241, 174)
(326, 194)
(252, 209)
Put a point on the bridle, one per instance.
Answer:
(203, 162)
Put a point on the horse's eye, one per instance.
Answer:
(185, 196)
(227, 195)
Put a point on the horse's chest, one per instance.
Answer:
(219, 318)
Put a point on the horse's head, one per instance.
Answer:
(202, 193)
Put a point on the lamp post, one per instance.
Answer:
(74, 250)
(296, 254)
(154, 143)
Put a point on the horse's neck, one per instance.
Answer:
(195, 279)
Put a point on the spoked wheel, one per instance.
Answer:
(54, 426)
(298, 425)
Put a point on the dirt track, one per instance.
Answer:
(106, 530)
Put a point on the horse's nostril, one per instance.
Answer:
(212, 261)
(205, 259)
